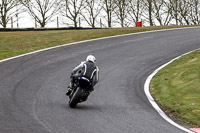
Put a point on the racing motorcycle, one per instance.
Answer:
(80, 91)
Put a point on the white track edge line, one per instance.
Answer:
(41, 50)
(152, 101)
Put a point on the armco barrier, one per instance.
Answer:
(44, 29)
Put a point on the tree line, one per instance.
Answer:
(113, 12)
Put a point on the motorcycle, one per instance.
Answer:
(80, 91)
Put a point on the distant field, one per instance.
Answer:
(16, 43)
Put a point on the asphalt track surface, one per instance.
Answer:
(33, 87)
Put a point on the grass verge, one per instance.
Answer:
(16, 43)
(176, 88)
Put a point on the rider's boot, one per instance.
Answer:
(70, 89)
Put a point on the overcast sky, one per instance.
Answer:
(26, 21)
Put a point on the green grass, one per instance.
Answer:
(16, 43)
(176, 88)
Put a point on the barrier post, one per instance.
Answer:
(139, 24)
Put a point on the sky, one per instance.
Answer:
(26, 21)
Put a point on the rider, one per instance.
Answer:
(86, 69)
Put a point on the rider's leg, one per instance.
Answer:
(71, 85)
(72, 82)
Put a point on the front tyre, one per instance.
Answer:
(75, 98)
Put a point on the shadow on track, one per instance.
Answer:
(85, 107)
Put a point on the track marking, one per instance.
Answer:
(196, 130)
(152, 101)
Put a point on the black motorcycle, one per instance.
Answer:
(80, 92)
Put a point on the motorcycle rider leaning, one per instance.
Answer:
(87, 69)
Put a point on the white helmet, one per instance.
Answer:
(91, 58)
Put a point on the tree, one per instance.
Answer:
(175, 12)
(42, 11)
(184, 10)
(121, 11)
(194, 11)
(72, 10)
(162, 11)
(7, 11)
(148, 4)
(135, 9)
(109, 9)
(91, 11)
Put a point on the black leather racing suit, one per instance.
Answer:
(88, 70)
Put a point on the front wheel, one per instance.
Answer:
(74, 100)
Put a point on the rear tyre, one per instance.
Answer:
(75, 98)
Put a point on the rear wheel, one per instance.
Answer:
(75, 98)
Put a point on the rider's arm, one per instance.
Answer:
(78, 67)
